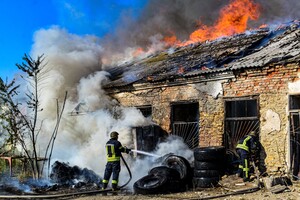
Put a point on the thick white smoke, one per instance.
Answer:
(172, 144)
(73, 66)
(90, 115)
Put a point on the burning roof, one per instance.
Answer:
(255, 48)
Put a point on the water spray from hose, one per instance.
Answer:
(145, 153)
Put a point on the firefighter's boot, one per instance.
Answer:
(104, 186)
(114, 186)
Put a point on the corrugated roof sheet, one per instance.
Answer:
(283, 47)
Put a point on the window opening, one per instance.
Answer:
(148, 137)
(146, 111)
(185, 122)
(241, 117)
(294, 109)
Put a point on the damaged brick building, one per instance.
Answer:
(215, 92)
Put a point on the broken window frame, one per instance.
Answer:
(240, 125)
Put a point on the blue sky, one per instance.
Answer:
(20, 20)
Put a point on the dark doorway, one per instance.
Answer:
(147, 137)
(294, 109)
(241, 117)
(185, 122)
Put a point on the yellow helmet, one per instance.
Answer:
(114, 134)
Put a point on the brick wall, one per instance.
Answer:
(211, 110)
(270, 84)
(211, 121)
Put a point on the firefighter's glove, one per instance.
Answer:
(127, 150)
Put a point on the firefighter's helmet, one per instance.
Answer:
(114, 134)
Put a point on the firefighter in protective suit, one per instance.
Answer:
(246, 149)
(113, 166)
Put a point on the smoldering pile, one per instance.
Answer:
(66, 175)
(63, 177)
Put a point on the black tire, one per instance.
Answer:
(204, 182)
(207, 165)
(151, 184)
(168, 172)
(180, 164)
(214, 153)
(207, 173)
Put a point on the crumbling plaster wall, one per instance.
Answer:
(271, 84)
(210, 108)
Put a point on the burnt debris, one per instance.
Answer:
(63, 177)
(64, 174)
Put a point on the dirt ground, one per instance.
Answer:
(228, 190)
(201, 194)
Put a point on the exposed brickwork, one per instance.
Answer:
(211, 119)
(269, 83)
(269, 80)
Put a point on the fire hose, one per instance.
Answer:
(50, 196)
(130, 175)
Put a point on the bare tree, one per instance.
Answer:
(9, 124)
(22, 125)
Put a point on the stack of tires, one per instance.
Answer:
(172, 176)
(209, 166)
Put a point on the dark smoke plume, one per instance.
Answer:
(180, 17)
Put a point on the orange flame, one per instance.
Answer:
(171, 40)
(138, 51)
(233, 19)
(263, 26)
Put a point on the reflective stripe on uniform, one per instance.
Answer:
(112, 159)
(111, 153)
(246, 169)
(244, 144)
(104, 181)
(114, 181)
